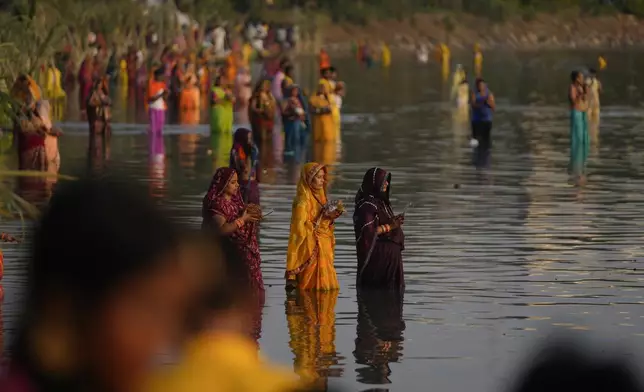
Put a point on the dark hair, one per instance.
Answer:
(94, 235)
(574, 75)
(288, 69)
(227, 284)
(592, 71)
(159, 71)
(332, 69)
(564, 368)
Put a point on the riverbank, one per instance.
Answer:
(538, 31)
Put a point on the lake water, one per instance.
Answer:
(496, 259)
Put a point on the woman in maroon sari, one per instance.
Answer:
(379, 236)
(224, 210)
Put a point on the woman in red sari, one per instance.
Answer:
(224, 210)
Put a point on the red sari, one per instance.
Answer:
(244, 239)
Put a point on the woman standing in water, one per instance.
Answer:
(262, 112)
(483, 106)
(225, 211)
(294, 119)
(221, 114)
(379, 236)
(579, 144)
(309, 260)
(244, 158)
(98, 108)
(157, 96)
(321, 107)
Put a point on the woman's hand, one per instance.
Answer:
(248, 216)
(399, 220)
(333, 215)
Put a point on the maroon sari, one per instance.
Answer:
(244, 239)
(383, 267)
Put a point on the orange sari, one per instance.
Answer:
(310, 256)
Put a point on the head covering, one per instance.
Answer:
(304, 187)
(220, 180)
(371, 186)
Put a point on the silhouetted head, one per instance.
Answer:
(564, 368)
(103, 286)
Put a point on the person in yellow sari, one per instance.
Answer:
(54, 87)
(219, 354)
(478, 61)
(311, 246)
(445, 56)
(321, 106)
(386, 55)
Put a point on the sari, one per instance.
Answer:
(294, 123)
(244, 240)
(262, 110)
(324, 126)
(382, 267)
(244, 158)
(29, 128)
(309, 260)
(221, 112)
(85, 76)
(98, 108)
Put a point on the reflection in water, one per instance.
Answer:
(98, 153)
(379, 338)
(311, 324)
(593, 132)
(187, 151)
(220, 145)
(325, 152)
(157, 165)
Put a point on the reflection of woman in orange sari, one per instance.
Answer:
(310, 316)
(309, 260)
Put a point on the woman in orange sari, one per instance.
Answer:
(309, 260)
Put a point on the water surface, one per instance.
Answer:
(496, 258)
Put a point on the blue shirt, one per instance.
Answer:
(484, 112)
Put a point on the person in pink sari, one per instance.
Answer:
(243, 93)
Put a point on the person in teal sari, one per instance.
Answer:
(579, 142)
(221, 111)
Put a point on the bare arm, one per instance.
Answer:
(491, 102)
(224, 227)
(227, 228)
(573, 95)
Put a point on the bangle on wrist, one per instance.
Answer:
(240, 223)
